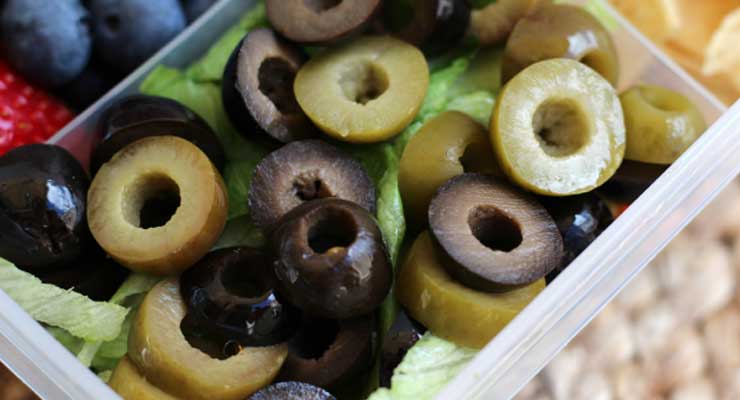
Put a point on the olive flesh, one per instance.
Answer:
(330, 259)
(138, 116)
(43, 201)
(230, 297)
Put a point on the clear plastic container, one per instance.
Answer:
(546, 325)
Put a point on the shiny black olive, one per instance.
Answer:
(327, 353)
(43, 197)
(94, 274)
(230, 298)
(580, 219)
(434, 25)
(139, 116)
(631, 179)
(330, 259)
(404, 333)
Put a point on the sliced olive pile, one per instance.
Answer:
(320, 22)
(364, 91)
(433, 25)
(446, 146)
(561, 31)
(661, 124)
(230, 297)
(496, 235)
(292, 391)
(43, 198)
(328, 353)
(139, 116)
(257, 88)
(580, 219)
(331, 261)
(304, 171)
(158, 205)
(449, 309)
(567, 137)
(162, 354)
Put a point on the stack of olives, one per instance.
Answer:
(496, 210)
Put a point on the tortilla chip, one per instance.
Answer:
(693, 22)
(649, 16)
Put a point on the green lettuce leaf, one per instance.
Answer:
(479, 105)
(210, 67)
(51, 305)
(428, 366)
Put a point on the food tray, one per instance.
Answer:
(546, 325)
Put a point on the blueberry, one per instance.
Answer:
(128, 32)
(48, 42)
(82, 91)
(194, 8)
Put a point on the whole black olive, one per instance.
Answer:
(330, 259)
(230, 298)
(580, 219)
(328, 353)
(139, 116)
(43, 197)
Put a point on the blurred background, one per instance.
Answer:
(674, 333)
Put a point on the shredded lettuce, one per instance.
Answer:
(51, 305)
(427, 367)
(479, 105)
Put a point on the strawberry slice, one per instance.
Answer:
(27, 114)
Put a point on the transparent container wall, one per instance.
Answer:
(533, 338)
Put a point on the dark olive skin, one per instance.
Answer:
(580, 219)
(330, 259)
(230, 297)
(292, 391)
(631, 179)
(139, 116)
(93, 274)
(404, 333)
(433, 25)
(43, 201)
(328, 353)
(257, 88)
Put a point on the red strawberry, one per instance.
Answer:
(27, 114)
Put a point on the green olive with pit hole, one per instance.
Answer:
(130, 384)
(558, 128)
(446, 146)
(661, 124)
(561, 31)
(364, 91)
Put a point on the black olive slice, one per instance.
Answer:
(631, 179)
(320, 22)
(404, 333)
(292, 391)
(43, 202)
(327, 353)
(139, 116)
(496, 235)
(257, 88)
(580, 220)
(230, 298)
(331, 261)
(303, 171)
(434, 25)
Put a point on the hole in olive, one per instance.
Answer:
(113, 22)
(332, 229)
(237, 281)
(656, 99)
(314, 338)
(494, 229)
(151, 201)
(318, 6)
(363, 81)
(595, 61)
(309, 188)
(561, 127)
(212, 348)
(475, 159)
(276, 76)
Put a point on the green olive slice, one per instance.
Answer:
(128, 382)
(364, 91)
(561, 31)
(661, 124)
(449, 309)
(159, 349)
(446, 146)
(558, 128)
